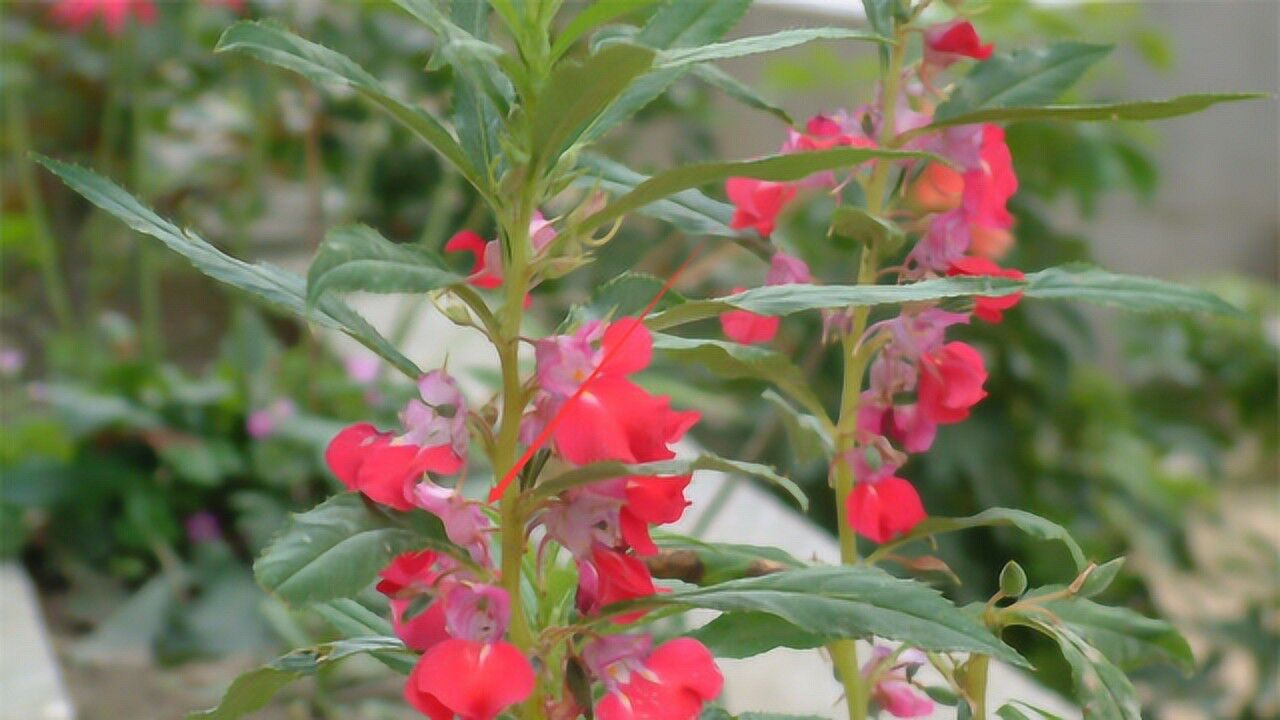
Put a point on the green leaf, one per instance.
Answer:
(1021, 78)
(1101, 578)
(354, 620)
(358, 258)
(253, 690)
(333, 550)
(1127, 292)
(266, 283)
(743, 47)
(687, 23)
(689, 211)
(277, 46)
(475, 115)
(1128, 639)
(734, 360)
(857, 224)
(846, 602)
(1069, 282)
(478, 63)
(1100, 687)
(746, 634)
(779, 168)
(1135, 110)
(740, 91)
(1033, 525)
(806, 436)
(596, 472)
(577, 92)
(707, 563)
(1010, 711)
(598, 13)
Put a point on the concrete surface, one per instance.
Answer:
(31, 686)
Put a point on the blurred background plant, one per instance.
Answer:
(132, 470)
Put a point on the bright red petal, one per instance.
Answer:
(473, 679)
(627, 347)
(347, 451)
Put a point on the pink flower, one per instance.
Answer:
(486, 266)
(362, 369)
(990, 309)
(78, 14)
(476, 612)
(263, 423)
(950, 383)
(464, 521)
(893, 691)
(987, 189)
(748, 328)
(882, 510)
(541, 232)
(786, 269)
(203, 527)
(471, 679)
(613, 419)
(410, 576)
(672, 683)
(946, 241)
(757, 203)
(946, 43)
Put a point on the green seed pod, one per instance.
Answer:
(1013, 580)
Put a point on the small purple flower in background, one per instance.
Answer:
(264, 422)
(203, 527)
(12, 362)
(362, 369)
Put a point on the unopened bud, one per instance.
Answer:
(1013, 580)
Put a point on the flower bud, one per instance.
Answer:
(1013, 580)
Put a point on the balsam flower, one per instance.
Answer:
(757, 203)
(486, 266)
(610, 576)
(893, 690)
(469, 679)
(748, 328)
(884, 509)
(950, 383)
(990, 309)
(672, 682)
(949, 42)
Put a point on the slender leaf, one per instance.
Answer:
(358, 258)
(686, 23)
(266, 283)
(475, 115)
(578, 92)
(1031, 524)
(333, 550)
(1127, 638)
(612, 469)
(734, 360)
(786, 167)
(1135, 110)
(743, 47)
(595, 14)
(745, 634)
(1100, 687)
(689, 211)
(253, 690)
(846, 602)
(1024, 77)
(806, 435)
(354, 620)
(277, 46)
(1069, 282)
(740, 91)
(479, 63)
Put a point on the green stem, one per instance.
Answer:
(55, 287)
(845, 653)
(975, 685)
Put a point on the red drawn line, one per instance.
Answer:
(501, 488)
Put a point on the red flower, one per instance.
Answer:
(422, 631)
(383, 467)
(987, 189)
(951, 379)
(77, 14)
(673, 684)
(748, 328)
(990, 309)
(651, 501)
(486, 268)
(757, 202)
(473, 680)
(938, 189)
(610, 577)
(613, 419)
(882, 510)
(411, 575)
(948, 42)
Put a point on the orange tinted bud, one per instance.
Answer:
(990, 243)
(938, 189)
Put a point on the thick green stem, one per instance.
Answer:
(975, 685)
(845, 653)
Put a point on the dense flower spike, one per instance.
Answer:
(672, 683)
(757, 203)
(948, 42)
(115, 14)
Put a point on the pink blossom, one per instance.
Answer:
(787, 269)
(673, 682)
(469, 679)
(464, 521)
(203, 527)
(476, 612)
(883, 509)
(263, 423)
(757, 203)
(78, 14)
(893, 690)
